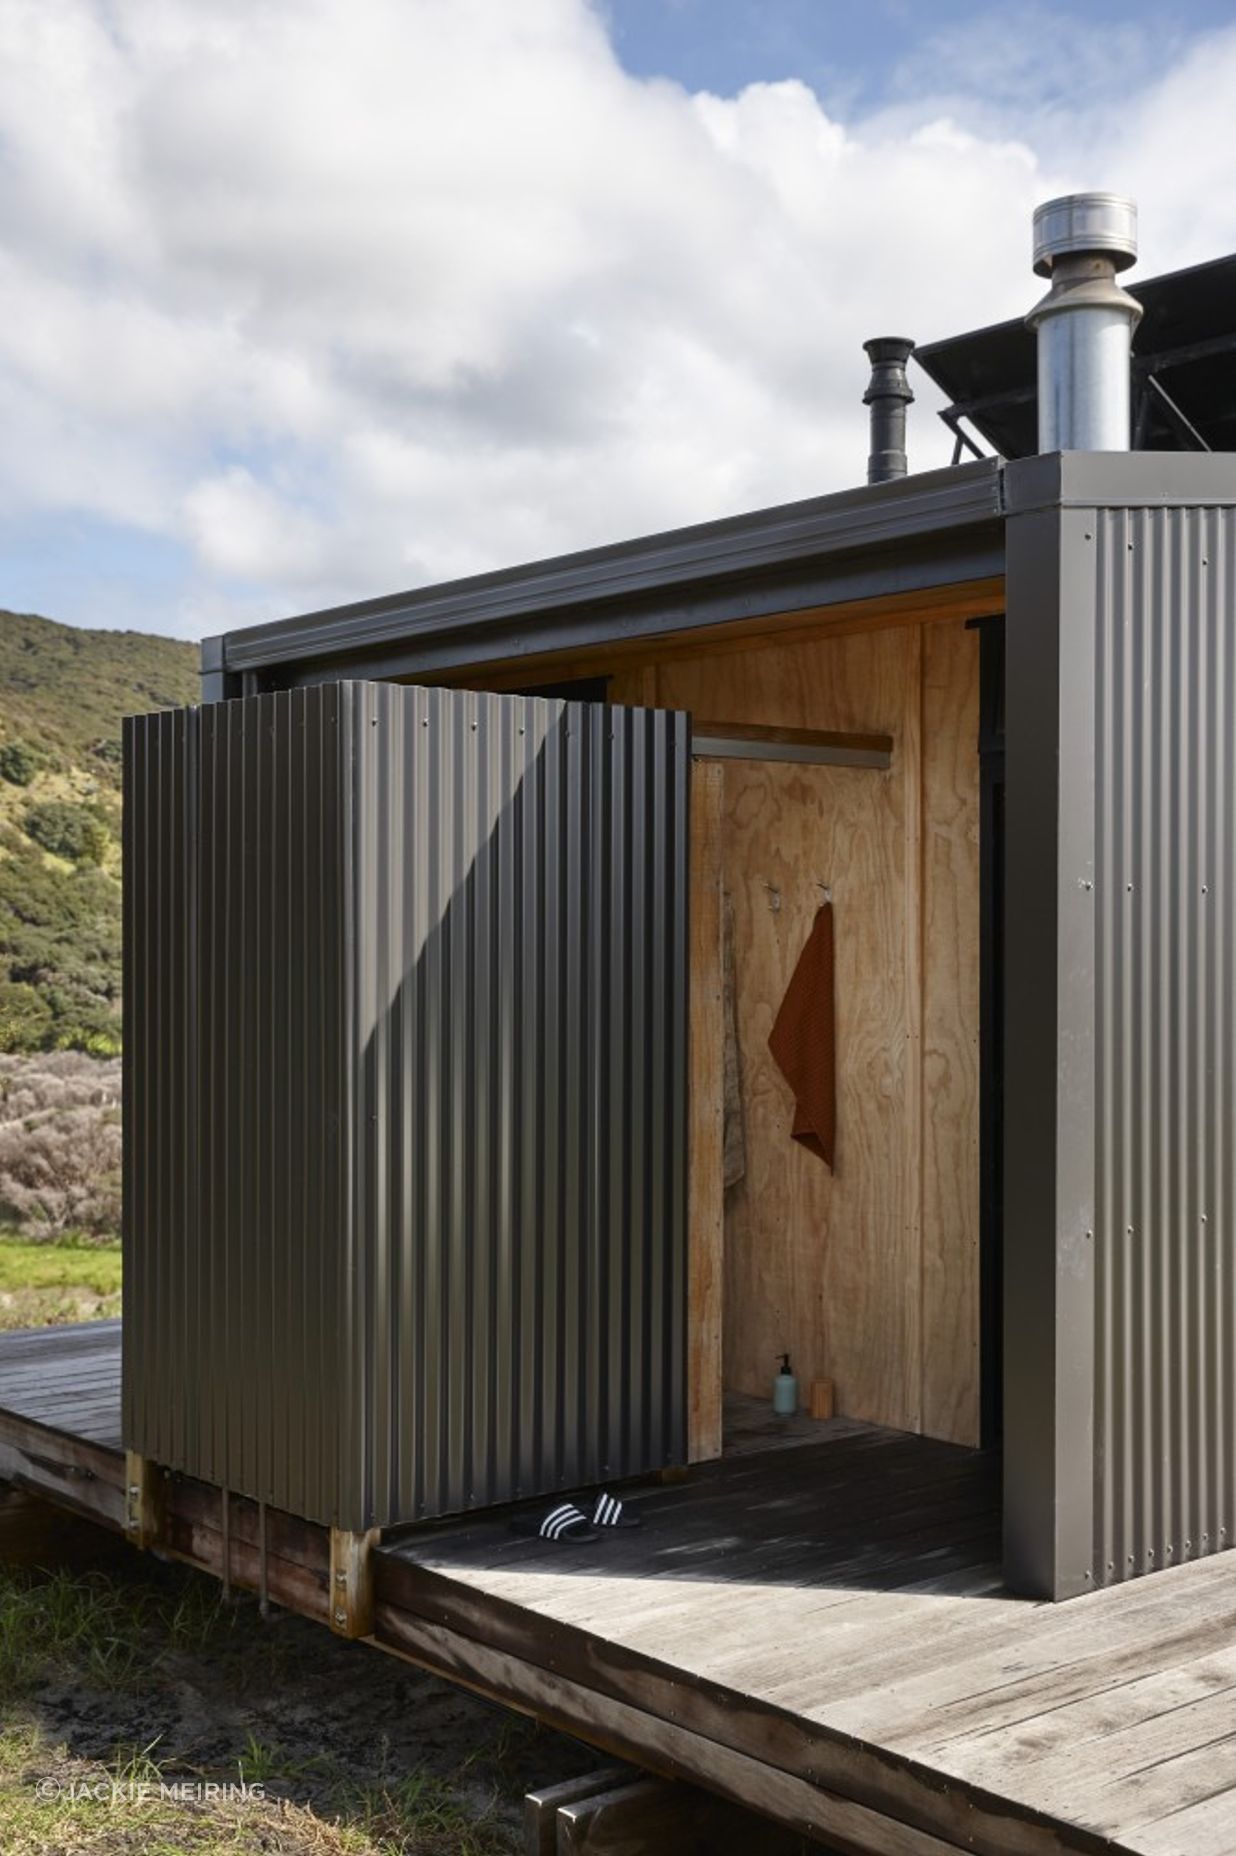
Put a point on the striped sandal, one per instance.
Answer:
(610, 1512)
(563, 1523)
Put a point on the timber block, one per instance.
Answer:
(143, 1500)
(659, 1817)
(541, 1807)
(351, 1581)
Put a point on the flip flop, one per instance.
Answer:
(608, 1511)
(563, 1523)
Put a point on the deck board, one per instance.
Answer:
(825, 1614)
(67, 1378)
(852, 1584)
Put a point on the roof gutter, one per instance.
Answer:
(922, 531)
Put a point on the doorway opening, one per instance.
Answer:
(867, 1274)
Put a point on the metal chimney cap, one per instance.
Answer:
(1085, 222)
(889, 348)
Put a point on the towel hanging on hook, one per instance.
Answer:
(803, 1040)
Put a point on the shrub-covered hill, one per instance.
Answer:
(63, 693)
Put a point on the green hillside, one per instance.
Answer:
(63, 693)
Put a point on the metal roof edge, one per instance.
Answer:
(1133, 479)
(847, 522)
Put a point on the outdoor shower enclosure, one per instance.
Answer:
(406, 1192)
(358, 907)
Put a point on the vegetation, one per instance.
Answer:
(46, 1283)
(121, 1683)
(67, 689)
(19, 762)
(79, 834)
(63, 694)
(60, 1146)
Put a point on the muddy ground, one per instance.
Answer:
(110, 1659)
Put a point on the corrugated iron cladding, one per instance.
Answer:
(405, 1175)
(1165, 1393)
(519, 1295)
(237, 1119)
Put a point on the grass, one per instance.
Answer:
(125, 1684)
(84, 1621)
(68, 1263)
(43, 1284)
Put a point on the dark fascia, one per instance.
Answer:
(1119, 479)
(926, 530)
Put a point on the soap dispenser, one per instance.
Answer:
(785, 1390)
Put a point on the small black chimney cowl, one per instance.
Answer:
(888, 395)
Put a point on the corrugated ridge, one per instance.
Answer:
(234, 1118)
(1166, 883)
(405, 1096)
(520, 1191)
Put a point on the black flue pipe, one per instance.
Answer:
(888, 395)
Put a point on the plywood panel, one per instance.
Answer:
(950, 1246)
(705, 1228)
(822, 1267)
(815, 1263)
(856, 683)
(869, 1278)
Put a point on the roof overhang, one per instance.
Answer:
(882, 541)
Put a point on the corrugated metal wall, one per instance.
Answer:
(405, 1163)
(238, 1119)
(161, 1187)
(520, 1292)
(1165, 880)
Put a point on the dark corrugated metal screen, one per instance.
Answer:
(1165, 778)
(405, 1145)
(237, 1119)
(519, 1305)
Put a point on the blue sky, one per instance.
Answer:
(857, 57)
(310, 300)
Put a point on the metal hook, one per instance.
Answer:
(774, 898)
(828, 894)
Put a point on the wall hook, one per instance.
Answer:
(774, 898)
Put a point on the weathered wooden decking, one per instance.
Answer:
(820, 1631)
(65, 1378)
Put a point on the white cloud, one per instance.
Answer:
(346, 295)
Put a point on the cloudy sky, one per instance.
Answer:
(307, 300)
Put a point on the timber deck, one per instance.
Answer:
(819, 1631)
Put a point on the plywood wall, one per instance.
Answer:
(869, 1276)
(950, 978)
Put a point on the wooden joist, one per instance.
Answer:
(84, 1477)
(663, 1746)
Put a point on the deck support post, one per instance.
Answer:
(143, 1500)
(351, 1581)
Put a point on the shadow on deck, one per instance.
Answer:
(858, 1508)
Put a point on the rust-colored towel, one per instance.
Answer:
(803, 1040)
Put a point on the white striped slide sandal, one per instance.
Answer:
(563, 1524)
(608, 1511)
